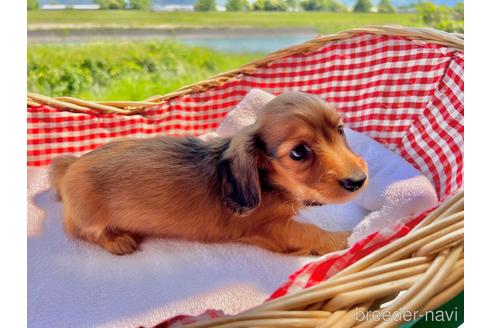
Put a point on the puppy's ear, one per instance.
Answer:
(239, 172)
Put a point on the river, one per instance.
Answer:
(236, 40)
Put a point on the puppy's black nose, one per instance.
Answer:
(354, 183)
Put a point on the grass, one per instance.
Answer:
(122, 71)
(323, 22)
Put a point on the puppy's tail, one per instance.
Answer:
(57, 170)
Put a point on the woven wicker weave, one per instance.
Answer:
(427, 263)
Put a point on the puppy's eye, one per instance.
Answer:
(300, 152)
(340, 130)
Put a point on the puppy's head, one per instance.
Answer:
(300, 142)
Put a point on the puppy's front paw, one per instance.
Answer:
(121, 244)
(332, 241)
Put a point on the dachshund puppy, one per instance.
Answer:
(246, 188)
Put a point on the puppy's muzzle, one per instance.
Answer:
(354, 183)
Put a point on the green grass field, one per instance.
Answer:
(122, 71)
(323, 22)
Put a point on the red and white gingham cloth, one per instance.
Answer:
(406, 94)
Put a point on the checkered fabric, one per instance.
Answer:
(406, 94)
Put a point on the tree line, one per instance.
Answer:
(384, 6)
(439, 16)
(244, 5)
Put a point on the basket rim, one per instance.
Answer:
(425, 34)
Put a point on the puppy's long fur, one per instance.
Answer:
(241, 189)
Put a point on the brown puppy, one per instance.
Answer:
(241, 189)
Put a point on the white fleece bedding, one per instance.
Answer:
(77, 284)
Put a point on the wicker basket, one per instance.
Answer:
(427, 263)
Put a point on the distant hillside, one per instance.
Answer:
(349, 3)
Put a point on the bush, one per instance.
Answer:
(451, 26)
(385, 6)
(323, 5)
(363, 6)
(32, 5)
(442, 17)
(237, 5)
(205, 5)
(432, 14)
(270, 5)
(292, 5)
(459, 11)
(111, 4)
(122, 70)
(259, 5)
(141, 4)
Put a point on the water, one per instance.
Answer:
(233, 40)
(254, 44)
